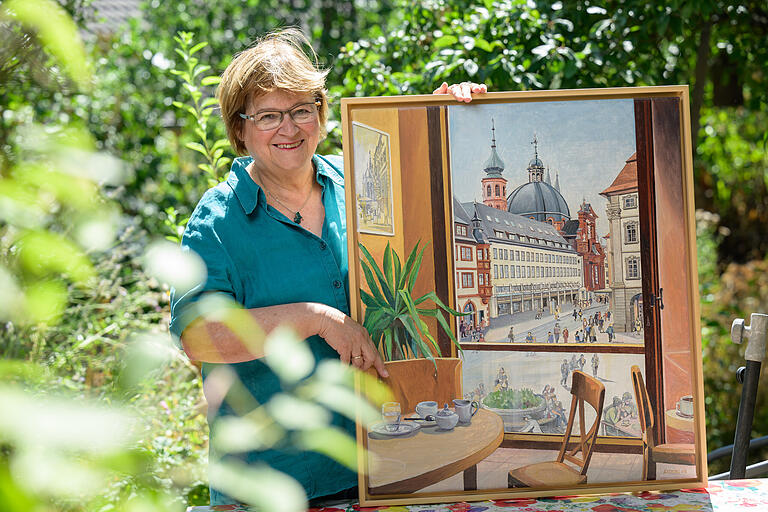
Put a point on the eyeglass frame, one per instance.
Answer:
(251, 117)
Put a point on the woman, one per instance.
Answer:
(273, 239)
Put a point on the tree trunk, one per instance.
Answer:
(701, 74)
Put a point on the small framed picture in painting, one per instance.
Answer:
(373, 185)
(557, 231)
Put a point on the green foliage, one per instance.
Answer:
(513, 399)
(736, 293)
(732, 173)
(200, 109)
(392, 316)
(51, 211)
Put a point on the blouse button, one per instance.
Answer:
(323, 246)
(337, 284)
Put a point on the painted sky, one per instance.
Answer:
(587, 142)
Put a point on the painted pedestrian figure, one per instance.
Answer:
(595, 364)
(502, 381)
(564, 371)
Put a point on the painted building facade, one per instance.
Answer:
(624, 227)
(472, 270)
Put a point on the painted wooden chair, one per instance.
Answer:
(416, 380)
(670, 453)
(557, 473)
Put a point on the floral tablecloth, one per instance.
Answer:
(720, 496)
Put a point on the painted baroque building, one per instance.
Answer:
(624, 242)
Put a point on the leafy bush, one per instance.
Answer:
(513, 399)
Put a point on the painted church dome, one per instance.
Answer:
(539, 200)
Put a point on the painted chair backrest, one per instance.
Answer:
(417, 380)
(585, 389)
(644, 409)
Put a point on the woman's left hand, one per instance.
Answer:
(462, 91)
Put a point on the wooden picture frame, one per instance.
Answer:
(544, 211)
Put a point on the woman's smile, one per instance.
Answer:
(289, 145)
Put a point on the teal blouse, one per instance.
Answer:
(258, 257)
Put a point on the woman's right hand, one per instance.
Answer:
(350, 339)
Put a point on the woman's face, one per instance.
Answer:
(287, 148)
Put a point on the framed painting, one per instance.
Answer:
(560, 224)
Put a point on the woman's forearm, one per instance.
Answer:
(220, 342)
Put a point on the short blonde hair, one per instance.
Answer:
(276, 61)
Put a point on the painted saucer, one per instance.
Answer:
(401, 430)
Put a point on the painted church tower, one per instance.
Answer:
(494, 184)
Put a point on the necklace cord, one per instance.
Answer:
(297, 217)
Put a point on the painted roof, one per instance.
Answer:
(626, 181)
(526, 231)
(540, 199)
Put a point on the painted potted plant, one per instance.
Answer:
(514, 406)
(394, 319)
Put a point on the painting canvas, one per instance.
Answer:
(560, 224)
(373, 184)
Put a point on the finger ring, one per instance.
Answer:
(357, 357)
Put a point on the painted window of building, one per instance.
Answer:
(630, 232)
(466, 253)
(479, 254)
(480, 279)
(488, 190)
(633, 267)
(495, 253)
(467, 280)
(495, 271)
(518, 271)
(498, 191)
(461, 230)
(630, 201)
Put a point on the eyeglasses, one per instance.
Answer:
(271, 119)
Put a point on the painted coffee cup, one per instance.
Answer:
(465, 409)
(425, 408)
(684, 406)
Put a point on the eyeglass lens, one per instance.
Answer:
(299, 114)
